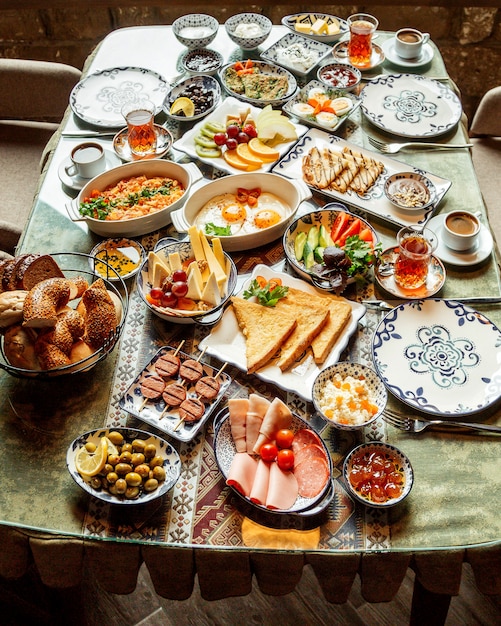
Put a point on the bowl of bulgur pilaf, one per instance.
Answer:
(349, 395)
(135, 198)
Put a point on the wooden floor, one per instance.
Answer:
(27, 603)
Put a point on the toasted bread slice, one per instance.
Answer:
(265, 330)
(311, 314)
(340, 314)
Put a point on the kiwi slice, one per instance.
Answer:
(207, 153)
(205, 142)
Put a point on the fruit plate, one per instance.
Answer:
(230, 106)
(157, 414)
(227, 342)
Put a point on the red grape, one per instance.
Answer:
(156, 293)
(243, 138)
(232, 131)
(220, 139)
(179, 289)
(231, 144)
(179, 275)
(169, 300)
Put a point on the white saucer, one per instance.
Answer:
(423, 59)
(340, 53)
(77, 182)
(470, 257)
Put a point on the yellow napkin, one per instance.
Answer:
(257, 536)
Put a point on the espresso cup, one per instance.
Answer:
(461, 230)
(409, 42)
(87, 160)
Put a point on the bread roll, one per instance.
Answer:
(19, 348)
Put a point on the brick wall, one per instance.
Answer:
(468, 37)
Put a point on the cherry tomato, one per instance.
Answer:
(179, 289)
(220, 139)
(284, 437)
(169, 300)
(243, 138)
(232, 131)
(268, 452)
(179, 275)
(231, 143)
(156, 293)
(285, 459)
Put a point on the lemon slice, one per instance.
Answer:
(112, 449)
(183, 106)
(91, 463)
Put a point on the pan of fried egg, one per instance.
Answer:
(243, 224)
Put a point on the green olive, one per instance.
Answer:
(150, 450)
(115, 437)
(113, 490)
(156, 461)
(138, 445)
(133, 479)
(159, 473)
(127, 447)
(132, 493)
(90, 447)
(123, 468)
(121, 486)
(112, 478)
(107, 469)
(95, 482)
(151, 484)
(143, 470)
(137, 458)
(126, 457)
(113, 459)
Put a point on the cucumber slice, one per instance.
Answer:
(313, 237)
(207, 153)
(205, 142)
(318, 254)
(324, 238)
(299, 242)
(308, 256)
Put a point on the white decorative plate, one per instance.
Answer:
(424, 58)
(98, 99)
(410, 105)
(478, 254)
(315, 50)
(439, 356)
(231, 105)
(374, 201)
(227, 342)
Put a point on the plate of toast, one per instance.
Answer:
(287, 344)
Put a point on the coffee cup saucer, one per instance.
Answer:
(386, 280)
(423, 59)
(77, 182)
(122, 148)
(478, 254)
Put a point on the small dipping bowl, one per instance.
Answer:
(371, 456)
(332, 392)
(125, 256)
(339, 76)
(202, 61)
(250, 41)
(195, 30)
(410, 191)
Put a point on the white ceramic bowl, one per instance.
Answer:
(203, 29)
(410, 191)
(124, 255)
(292, 192)
(203, 90)
(172, 465)
(248, 43)
(387, 452)
(309, 19)
(184, 249)
(202, 61)
(376, 390)
(134, 227)
(339, 76)
(326, 217)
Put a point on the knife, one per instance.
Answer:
(89, 133)
(383, 305)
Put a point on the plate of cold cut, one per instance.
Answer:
(175, 392)
(252, 437)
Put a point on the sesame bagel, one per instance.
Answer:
(43, 302)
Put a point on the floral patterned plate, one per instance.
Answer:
(410, 105)
(439, 357)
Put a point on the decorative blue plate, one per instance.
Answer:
(98, 99)
(410, 105)
(439, 357)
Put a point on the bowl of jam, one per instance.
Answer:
(339, 76)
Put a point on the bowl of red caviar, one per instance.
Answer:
(378, 474)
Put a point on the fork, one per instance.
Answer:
(416, 425)
(392, 148)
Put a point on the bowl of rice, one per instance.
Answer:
(349, 395)
(135, 198)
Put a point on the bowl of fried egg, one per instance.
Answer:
(244, 210)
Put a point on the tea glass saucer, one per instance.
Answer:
(434, 282)
(77, 182)
(478, 254)
(122, 148)
(340, 53)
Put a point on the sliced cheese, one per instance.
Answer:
(194, 269)
(301, 27)
(333, 28)
(217, 248)
(213, 263)
(319, 27)
(198, 251)
(175, 261)
(157, 266)
(195, 285)
(211, 293)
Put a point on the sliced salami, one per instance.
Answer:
(308, 452)
(312, 476)
(305, 437)
(152, 386)
(167, 365)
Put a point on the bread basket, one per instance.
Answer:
(75, 265)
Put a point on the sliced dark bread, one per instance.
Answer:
(33, 270)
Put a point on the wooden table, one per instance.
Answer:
(451, 515)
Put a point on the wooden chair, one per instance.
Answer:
(34, 97)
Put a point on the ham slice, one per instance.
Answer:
(258, 407)
(238, 408)
(242, 472)
(282, 489)
(277, 416)
(261, 482)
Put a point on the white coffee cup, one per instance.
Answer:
(409, 42)
(87, 160)
(461, 230)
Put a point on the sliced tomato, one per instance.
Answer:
(261, 281)
(238, 66)
(340, 223)
(353, 229)
(242, 194)
(366, 235)
(255, 193)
